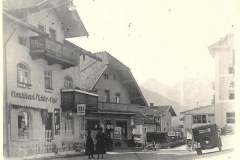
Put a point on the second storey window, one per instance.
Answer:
(68, 82)
(23, 75)
(48, 79)
(107, 95)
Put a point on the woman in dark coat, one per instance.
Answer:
(100, 146)
(89, 145)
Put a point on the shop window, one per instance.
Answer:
(48, 79)
(117, 98)
(57, 121)
(68, 82)
(23, 76)
(23, 124)
(52, 33)
(230, 117)
(68, 130)
(107, 95)
(199, 119)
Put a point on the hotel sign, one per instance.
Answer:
(34, 97)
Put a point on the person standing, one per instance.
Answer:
(89, 145)
(100, 146)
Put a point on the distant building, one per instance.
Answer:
(162, 116)
(224, 55)
(197, 116)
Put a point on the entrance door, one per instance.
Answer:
(49, 127)
(123, 125)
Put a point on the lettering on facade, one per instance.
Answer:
(33, 97)
(204, 130)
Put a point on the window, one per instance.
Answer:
(230, 117)
(48, 79)
(57, 121)
(107, 95)
(22, 40)
(231, 70)
(23, 75)
(68, 82)
(199, 119)
(42, 28)
(23, 124)
(52, 33)
(105, 76)
(231, 94)
(118, 98)
(68, 124)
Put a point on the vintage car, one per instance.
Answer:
(206, 137)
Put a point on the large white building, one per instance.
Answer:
(40, 68)
(224, 55)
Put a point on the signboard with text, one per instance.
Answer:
(118, 133)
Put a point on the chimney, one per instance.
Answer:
(151, 104)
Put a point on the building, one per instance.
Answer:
(119, 96)
(162, 116)
(40, 69)
(196, 117)
(223, 53)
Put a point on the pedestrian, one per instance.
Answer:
(100, 146)
(89, 145)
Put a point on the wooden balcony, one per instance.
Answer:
(54, 52)
(118, 108)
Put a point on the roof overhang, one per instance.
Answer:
(79, 91)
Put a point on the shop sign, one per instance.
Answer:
(34, 97)
(81, 109)
(118, 133)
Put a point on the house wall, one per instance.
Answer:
(18, 53)
(223, 57)
(114, 86)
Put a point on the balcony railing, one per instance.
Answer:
(53, 51)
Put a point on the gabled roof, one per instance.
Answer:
(91, 71)
(224, 43)
(202, 109)
(161, 110)
(65, 11)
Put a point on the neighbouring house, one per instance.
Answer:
(40, 72)
(119, 96)
(223, 52)
(162, 116)
(196, 117)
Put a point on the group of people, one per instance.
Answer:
(100, 145)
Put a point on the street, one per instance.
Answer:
(155, 155)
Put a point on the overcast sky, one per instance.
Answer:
(157, 39)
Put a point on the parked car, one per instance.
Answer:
(206, 137)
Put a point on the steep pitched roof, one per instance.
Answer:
(92, 70)
(64, 9)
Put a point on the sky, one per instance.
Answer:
(157, 39)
